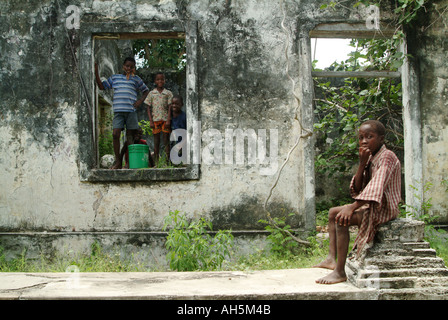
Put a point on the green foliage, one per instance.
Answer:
(161, 53)
(146, 127)
(422, 212)
(190, 245)
(263, 260)
(101, 261)
(14, 265)
(316, 247)
(331, 4)
(281, 242)
(105, 143)
(341, 108)
(105, 139)
(444, 183)
(408, 10)
(284, 251)
(438, 240)
(96, 261)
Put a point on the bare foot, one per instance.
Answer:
(332, 278)
(328, 263)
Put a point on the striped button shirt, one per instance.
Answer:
(382, 188)
(125, 91)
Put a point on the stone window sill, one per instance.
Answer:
(190, 172)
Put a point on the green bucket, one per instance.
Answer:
(138, 156)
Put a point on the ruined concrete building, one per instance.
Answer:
(248, 74)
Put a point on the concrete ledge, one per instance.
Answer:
(293, 284)
(191, 172)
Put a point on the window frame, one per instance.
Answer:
(351, 31)
(87, 114)
(413, 168)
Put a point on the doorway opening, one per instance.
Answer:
(363, 83)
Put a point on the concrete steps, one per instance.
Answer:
(400, 263)
(412, 262)
(405, 272)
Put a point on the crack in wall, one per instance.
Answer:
(304, 133)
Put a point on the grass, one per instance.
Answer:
(438, 240)
(101, 261)
(262, 260)
(96, 261)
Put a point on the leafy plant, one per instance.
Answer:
(281, 241)
(407, 10)
(445, 184)
(96, 261)
(146, 127)
(105, 143)
(105, 140)
(191, 246)
(423, 211)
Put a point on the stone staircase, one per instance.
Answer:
(400, 264)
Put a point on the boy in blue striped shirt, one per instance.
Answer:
(125, 103)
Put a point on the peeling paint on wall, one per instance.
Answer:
(242, 83)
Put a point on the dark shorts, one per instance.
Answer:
(125, 118)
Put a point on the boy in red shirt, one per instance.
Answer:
(376, 189)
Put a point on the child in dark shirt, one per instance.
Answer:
(178, 121)
(179, 118)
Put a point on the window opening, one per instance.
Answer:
(320, 48)
(116, 41)
(161, 53)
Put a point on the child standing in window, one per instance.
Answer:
(179, 118)
(158, 102)
(178, 121)
(125, 103)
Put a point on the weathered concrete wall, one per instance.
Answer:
(39, 142)
(246, 51)
(430, 48)
(242, 85)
